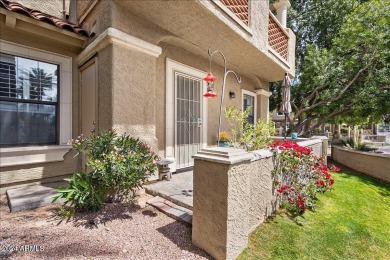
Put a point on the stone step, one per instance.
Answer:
(171, 209)
(31, 197)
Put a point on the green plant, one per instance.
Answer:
(115, 166)
(224, 137)
(245, 135)
(66, 212)
(82, 193)
(357, 144)
(351, 223)
(299, 175)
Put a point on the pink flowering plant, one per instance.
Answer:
(116, 165)
(299, 176)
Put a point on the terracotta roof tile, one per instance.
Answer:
(38, 15)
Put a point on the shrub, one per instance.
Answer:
(223, 136)
(115, 166)
(357, 146)
(244, 134)
(298, 175)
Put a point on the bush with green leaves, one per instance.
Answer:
(362, 147)
(246, 135)
(356, 143)
(115, 166)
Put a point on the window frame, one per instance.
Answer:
(254, 95)
(25, 155)
(38, 102)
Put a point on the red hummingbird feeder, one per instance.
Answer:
(210, 85)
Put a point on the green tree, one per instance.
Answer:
(343, 71)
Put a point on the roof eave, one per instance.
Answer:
(28, 24)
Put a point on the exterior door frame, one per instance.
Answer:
(170, 106)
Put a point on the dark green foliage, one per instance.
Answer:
(343, 60)
(115, 166)
(82, 193)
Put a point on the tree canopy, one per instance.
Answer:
(343, 62)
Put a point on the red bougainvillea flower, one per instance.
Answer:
(334, 168)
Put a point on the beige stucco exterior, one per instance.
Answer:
(375, 165)
(14, 176)
(233, 194)
(131, 42)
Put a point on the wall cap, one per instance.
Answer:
(360, 152)
(13, 156)
(223, 155)
(115, 36)
(322, 137)
(282, 3)
(263, 92)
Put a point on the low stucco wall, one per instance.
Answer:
(375, 165)
(230, 201)
(233, 194)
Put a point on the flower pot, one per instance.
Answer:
(223, 144)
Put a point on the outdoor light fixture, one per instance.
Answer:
(232, 94)
(210, 85)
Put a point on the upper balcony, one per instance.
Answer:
(278, 36)
(254, 40)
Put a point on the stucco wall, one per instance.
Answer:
(187, 58)
(134, 94)
(52, 7)
(230, 201)
(98, 19)
(375, 165)
(233, 194)
(43, 172)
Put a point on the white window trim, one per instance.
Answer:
(40, 154)
(252, 94)
(170, 130)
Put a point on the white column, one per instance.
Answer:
(263, 104)
(281, 7)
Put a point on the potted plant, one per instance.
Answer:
(224, 139)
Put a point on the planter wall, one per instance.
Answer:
(233, 194)
(373, 164)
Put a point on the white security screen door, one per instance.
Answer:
(188, 118)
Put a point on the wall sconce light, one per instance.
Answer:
(232, 94)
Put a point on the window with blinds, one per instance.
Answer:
(28, 101)
(249, 101)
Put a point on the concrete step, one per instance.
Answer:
(171, 209)
(31, 197)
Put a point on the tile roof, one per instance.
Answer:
(38, 15)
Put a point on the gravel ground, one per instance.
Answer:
(119, 231)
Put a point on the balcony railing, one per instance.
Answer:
(239, 8)
(277, 37)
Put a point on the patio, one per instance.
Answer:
(178, 190)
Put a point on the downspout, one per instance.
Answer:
(63, 10)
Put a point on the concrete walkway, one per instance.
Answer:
(179, 189)
(34, 196)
